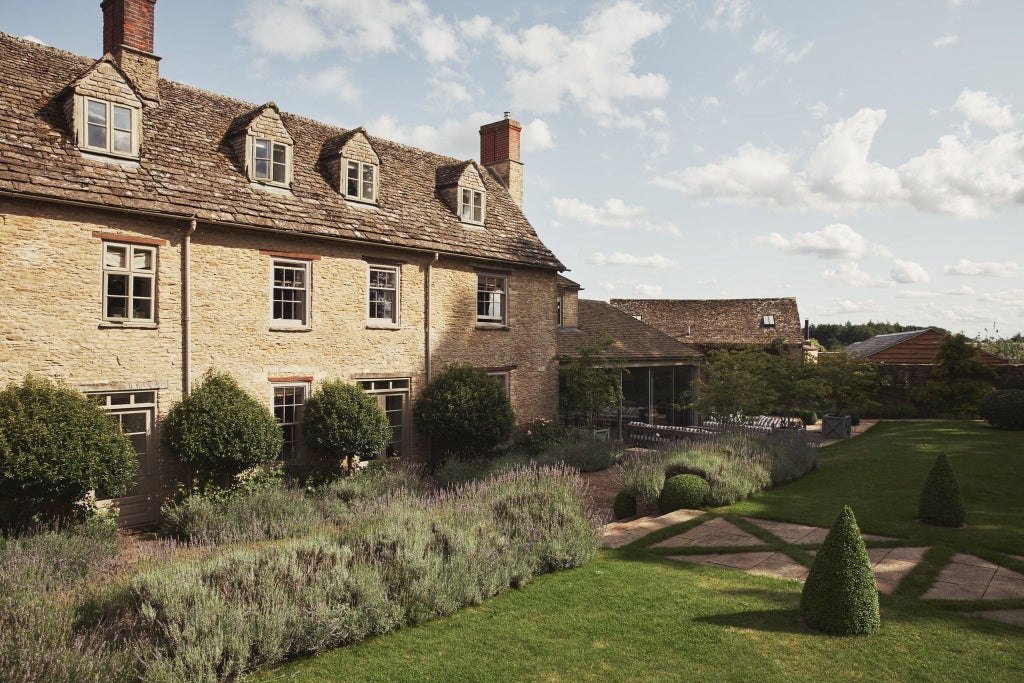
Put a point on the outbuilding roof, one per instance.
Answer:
(720, 322)
(632, 340)
(187, 167)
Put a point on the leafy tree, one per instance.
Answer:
(221, 430)
(344, 421)
(1003, 409)
(591, 381)
(849, 383)
(834, 336)
(1010, 349)
(739, 381)
(465, 412)
(55, 446)
(958, 382)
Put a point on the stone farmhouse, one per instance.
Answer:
(151, 231)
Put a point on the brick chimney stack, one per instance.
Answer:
(128, 38)
(499, 153)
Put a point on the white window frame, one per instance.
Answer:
(767, 321)
(381, 389)
(484, 280)
(109, 128)
(295, 447)
(296, 264)
(395, 320)
(360, 167)
(286, 164)
(130, 273)
(471, 206)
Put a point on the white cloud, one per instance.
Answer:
(619, 258)
(709, 102)
(965, 290)
(946, 40)
(593, 66)
(1010, 297)
(775, 45)
(916, 294)
(818, 110)
(648, 291)
(537, 136)
(438, 41)
(850, 274)
(728, 14)
(979, 107)
(33, 39)
(613, 213)
(848, 306)
(334, 82)
(987, 268)
(476, 28)
(299, 28)
(909, 272)
(962, 175)
(833, 241)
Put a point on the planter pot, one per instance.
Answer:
(835, 427)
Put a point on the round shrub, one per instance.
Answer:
(345, 422)
(683, 491)
(221, 430)
(624, 505)
(465, 412)
(840, 596)
(808, 417)
(55, 446)
(1003, 409)
(941, 503)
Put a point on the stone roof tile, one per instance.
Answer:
(632, 340)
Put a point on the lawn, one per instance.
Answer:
(634, 615)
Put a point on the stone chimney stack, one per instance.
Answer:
(499, 153)
(128, 37)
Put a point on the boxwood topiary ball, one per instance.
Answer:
(625, 505)
(840, 596)
(941, 503)
(683, 491)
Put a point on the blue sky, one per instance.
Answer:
(866, 158)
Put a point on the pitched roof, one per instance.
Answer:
(565, 283)
(881, 342)
(633, 341)
(719, 322)
(186, 168)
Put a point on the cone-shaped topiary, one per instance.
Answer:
(840, 596)
(624, 505)
(941, 503)
(683, 491)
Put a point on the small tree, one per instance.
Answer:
(958, 382)
(941, 503)
(849, 383)
(465, 412)
(740, 381)
(344, 421)
(840, 596)
(1003, 409)
(591, 381)
(55, 447)
(221, 430)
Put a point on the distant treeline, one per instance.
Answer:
(833, 336)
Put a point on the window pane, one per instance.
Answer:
(262, 149)
(117, 307)
(280, 154)
(122, 141)
(280, 173)
(97, 136)
(142, 259)
(115, 257)
(97, 113)
(368, 173)
(122, 118)
(262, 169)
(352, 188)
(133, 423)
(117, 285)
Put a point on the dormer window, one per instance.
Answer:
(270, 161)
(471, 206)
(767, 321)
(361, 181)
(109, 127)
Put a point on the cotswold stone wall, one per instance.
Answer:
(51, 285)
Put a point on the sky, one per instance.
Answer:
(866, 157)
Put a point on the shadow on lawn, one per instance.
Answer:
(774, 620)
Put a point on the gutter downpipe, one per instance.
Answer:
(427, 323)
(186, 308)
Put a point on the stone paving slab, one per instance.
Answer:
(798, 534)
(762, 563)
(618, 534)
(713, 533)
(891, 565)
(966, 577)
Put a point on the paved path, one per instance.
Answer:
(964, 578)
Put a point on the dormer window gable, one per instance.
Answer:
(461, 186)
(104, 112)
(353, 166)
(263, 143)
